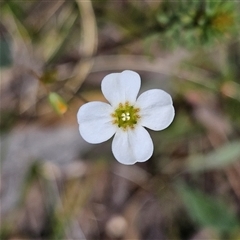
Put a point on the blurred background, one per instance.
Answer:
(54, 55)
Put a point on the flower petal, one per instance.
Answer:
(156, 109)
(132, 146)
(121, 87)
(95, 122)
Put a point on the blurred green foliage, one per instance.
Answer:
(196, 23)
(220, 158)
(177, 23)
(5, 52)
(208, 211)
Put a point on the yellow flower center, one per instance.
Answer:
(125, 116)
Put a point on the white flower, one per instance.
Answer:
(126, 116)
